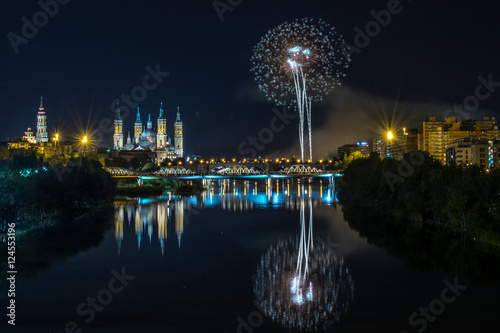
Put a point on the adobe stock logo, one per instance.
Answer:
(103, 298)
(29, 30)
(137, 94)
(436, 307)
(483, 91)
(373, 28)
(221, 7)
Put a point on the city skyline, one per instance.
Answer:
(250, 166)
(215, 87)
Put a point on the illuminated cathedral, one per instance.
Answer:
(145, 138)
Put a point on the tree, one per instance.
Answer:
(4, 153)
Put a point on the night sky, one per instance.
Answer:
(425, 60)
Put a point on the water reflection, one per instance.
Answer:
(151, 216)
(300, 284)
(230, 194)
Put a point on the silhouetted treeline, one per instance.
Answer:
(36, 195)
(418, 189)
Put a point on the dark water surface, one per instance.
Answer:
(226, 261)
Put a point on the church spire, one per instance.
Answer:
(178, 114)
(161, 110)
(118, 116)
(41, 104)
(138, 119)
(150, 123)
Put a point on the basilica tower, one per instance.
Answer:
(118, 133)
(161, 137)
(41, 124)
(137, 128)
(178, 135)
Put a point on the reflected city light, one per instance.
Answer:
(151, 216)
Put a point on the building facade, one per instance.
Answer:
(178, 135)
(41, 125)
(145, 137)
(397, 144)
(118, 130)
(437, 135)
(362, 147)
(40, 143)
(403, 142)
(471, 151)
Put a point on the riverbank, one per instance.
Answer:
(37, 197)
(463, 200)
(151, 188)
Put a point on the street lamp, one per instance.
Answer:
(55, 139)
(84, 141)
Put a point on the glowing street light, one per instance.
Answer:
(84, 142)
(55, 139)
(389, 135)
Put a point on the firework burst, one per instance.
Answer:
(300, 62)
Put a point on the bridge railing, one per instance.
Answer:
(231, 171)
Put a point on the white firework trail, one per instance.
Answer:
(298, 63)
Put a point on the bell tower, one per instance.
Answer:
(118, 134)
(178, 135)
(137, 128)
(161, 137)
(41, 125)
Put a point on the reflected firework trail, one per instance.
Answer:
(303, 286)
(300, 62)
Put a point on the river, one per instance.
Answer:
(246, 256)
